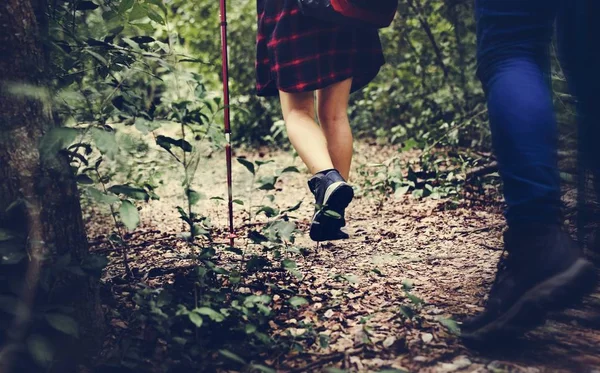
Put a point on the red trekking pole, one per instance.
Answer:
(226, 120)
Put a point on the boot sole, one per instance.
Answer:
(553, 294)
(326, 228)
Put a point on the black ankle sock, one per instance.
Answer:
(325, 172)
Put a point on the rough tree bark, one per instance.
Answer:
(49, 215)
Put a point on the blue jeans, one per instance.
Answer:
(513, 51)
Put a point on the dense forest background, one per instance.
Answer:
(427, 89)
(120, 105)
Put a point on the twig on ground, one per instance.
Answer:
(491, 247)
(482, 170)
(128, 272)
(134, 246)
(254, 224)
(480, 229)
(326, 359)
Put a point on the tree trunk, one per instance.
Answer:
(38, 197)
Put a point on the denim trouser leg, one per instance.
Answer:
(512, 48)
(579, 43)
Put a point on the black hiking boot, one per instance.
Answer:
(543, 270)
(332, 196)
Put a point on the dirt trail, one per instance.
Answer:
(355, 288)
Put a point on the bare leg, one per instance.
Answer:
(305, 134)
(332, 109)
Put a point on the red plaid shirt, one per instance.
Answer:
(296, 53)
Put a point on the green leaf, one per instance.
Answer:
(285, 229)
(262, 368)
(164, 298)
(125, 5)
(293, 208)
(101, 197)
(106, 142)
(288, 264)
(63, 323)
(97, 57)
(249, 165)
(129, 215)
(296, 273)
(154, 16)
(143, 39)
(267, 183)
(261, 163)
(212, 314)
(40, 349)
(407, 312)
(257, 237)
(84, 179)
(207, 253)
(55, 140)
(86, 5)
(414, 299)
(137, 12)
(194, 196)
(12, 252)
(401, 191)
(238, 202)
(146, 27)
(250, 328)
(235, 250)
(198, 230)
(220, 271)
(269, 211)
(6, 235)
(183, 215)
(450, 324)
(351, 278)
(166, 142)
(94, 263)
(298, 301)
(180, 341)
(195, 319)
(130, 191)
(107, 16)
(231, 356)
(290, 169)
(332, 214)
(410, 144)
(378, 272)
(324, 340)
(145, 126)
(158, 3)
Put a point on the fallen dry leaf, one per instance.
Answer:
(427, 337)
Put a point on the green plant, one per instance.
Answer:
(49, 322)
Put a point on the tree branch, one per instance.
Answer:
(416, 7)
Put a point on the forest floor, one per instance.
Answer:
(355, 288)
